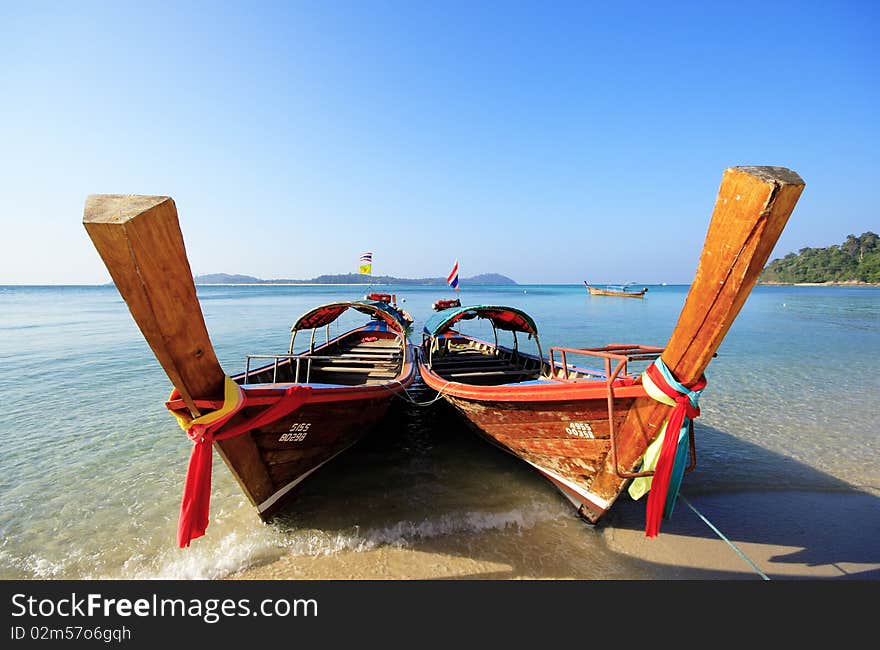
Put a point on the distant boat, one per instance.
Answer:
(590, 420)
(440, 305)
(621, 290)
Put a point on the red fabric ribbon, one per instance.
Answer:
(194, 507)
(663, 470)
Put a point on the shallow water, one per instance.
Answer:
(92, 465)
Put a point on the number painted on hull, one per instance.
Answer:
(297, 432)
(580, 430)
(293, 437)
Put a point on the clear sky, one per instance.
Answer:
(548, 141)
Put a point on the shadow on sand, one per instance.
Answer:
(425, 465)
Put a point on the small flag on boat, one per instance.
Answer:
(452, 278)
(366, 261)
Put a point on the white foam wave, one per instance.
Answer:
(233, 552)
(405, 533)
(239, 550)
(240, 543)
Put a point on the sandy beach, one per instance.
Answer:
(787, 535)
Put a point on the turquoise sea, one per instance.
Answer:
(92, 465)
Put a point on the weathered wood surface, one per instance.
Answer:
(140, 242)
(751, 210)
(139, 239)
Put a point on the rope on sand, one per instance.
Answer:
(721, 535)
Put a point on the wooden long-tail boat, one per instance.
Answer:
(622, 292)
(273, 424)
(587, 429)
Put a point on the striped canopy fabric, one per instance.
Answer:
(504, 318)
(326, 314)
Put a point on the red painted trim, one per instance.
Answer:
(552, 391)
(265, 394)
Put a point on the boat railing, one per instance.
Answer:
(304, 361)
(621, 355)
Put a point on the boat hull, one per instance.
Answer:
(605, 291)
(567, 442)
(293, 447)
(562, 429)
(595, 291)
(619, 294)
(271, 461)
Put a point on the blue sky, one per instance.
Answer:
(549, 141)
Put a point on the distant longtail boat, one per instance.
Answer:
(621, 291)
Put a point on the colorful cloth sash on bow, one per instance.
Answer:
(203, 431)
(667, 455)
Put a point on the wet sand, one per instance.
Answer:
(784, 535)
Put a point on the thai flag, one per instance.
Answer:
(366, 264)
(452, 278)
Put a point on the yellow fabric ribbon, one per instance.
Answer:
(233, 395)
(639, 487)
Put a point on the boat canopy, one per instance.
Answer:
(326, 314)
(502, 318)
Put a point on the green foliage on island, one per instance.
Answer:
(353, 278)
(855, 260)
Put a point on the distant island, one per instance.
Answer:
(353, 278)
(855, 261)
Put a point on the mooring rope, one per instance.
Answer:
(721, 535)
(406, 397)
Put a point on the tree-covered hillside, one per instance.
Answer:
(856, 260)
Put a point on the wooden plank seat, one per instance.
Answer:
(358, 361)
(466, 358)
(374, 348)
(370, 355)
(479, 366)
(351, 369)
(352, 379)
(469, 359)
(491, 373)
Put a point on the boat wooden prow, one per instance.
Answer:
(751, 210)
(139, 239)
(140, 242)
